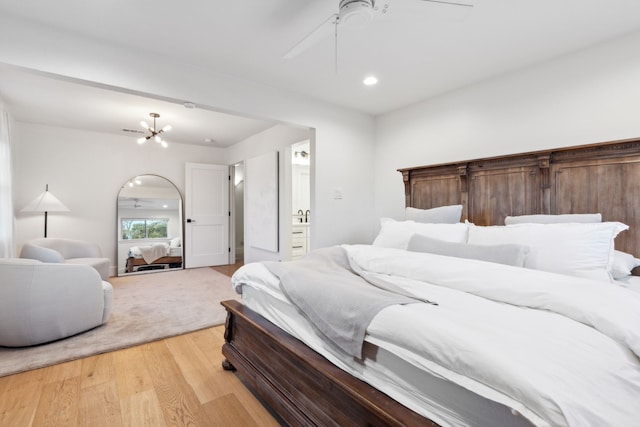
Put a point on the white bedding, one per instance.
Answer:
(150, 253)
(630, 282)
(555, 369)
(426, 393)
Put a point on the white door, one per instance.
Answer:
(206, 239)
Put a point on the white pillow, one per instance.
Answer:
(623, 263)
(176, 242)
(513, 255)
(552, 219)
(440, 215)
(576, 249)
(396, 234)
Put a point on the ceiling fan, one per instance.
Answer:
(138, 204)
(353, 14)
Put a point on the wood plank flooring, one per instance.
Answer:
(177, 381)
(228, 269)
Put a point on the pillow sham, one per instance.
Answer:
(440, 215)
(553, 219)
(622, 265)
(396, 234)
(576, 249)
(509, 254)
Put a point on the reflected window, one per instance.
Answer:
(144, 228)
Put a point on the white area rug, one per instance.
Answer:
(145, 308)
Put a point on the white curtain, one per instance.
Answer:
(7, 247)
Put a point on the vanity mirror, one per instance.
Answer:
(149, 226)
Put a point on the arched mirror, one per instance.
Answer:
(149, 226)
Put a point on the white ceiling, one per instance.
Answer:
(37, 98)
(149, 192)
(417, 50)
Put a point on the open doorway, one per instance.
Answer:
(237, 199)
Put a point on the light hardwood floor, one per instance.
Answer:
(228, 269)
(177, 381)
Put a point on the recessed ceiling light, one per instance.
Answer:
(370, 80)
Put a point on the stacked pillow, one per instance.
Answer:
(552, 219)
(577, 245)
(514, 255)
(440, 215)
(622, 263)
(441, 223)
(576, 249)
(396, 234)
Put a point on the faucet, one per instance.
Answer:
(306, 218)
(300, 213)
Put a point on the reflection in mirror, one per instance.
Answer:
(149, 226)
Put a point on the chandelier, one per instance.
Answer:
(155, 134)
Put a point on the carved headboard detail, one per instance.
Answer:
(593, 178)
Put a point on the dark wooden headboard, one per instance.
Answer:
(597, 178)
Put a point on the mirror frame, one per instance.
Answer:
(122, 255)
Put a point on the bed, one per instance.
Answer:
(307, 381)
(155, 256)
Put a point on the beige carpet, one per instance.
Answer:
(145, 308)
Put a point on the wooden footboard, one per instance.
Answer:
(132, 262)
(301, 386)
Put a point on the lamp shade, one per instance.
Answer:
(45, 202)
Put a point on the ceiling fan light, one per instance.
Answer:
(157, 138)
(141, 140)
(164, 144)
(144, 124)
(167, 128)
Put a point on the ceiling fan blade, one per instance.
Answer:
(450, 3)
(323, 31)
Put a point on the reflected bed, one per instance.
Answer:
(153, 257)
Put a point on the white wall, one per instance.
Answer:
(300, 190)
(338, 130)
(278, 138)
(86, 170)
(588, 97)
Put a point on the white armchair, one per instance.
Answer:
(42, 302)
(67, 251)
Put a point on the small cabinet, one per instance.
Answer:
(299, 240)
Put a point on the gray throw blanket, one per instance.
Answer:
(333, 297)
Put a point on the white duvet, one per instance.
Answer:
(567, 348)
(562, 351)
